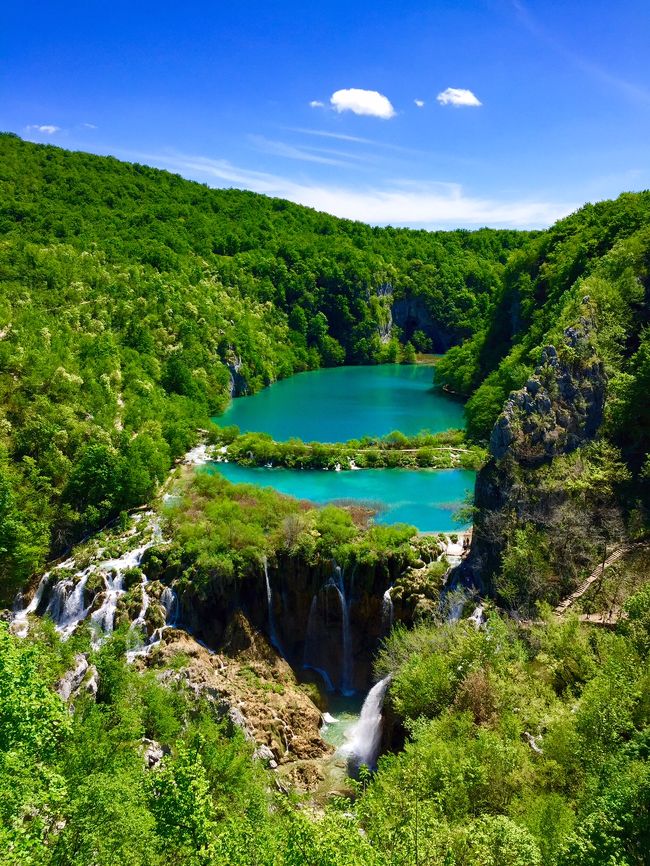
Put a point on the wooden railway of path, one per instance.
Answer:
(607, 619)
(596, 574)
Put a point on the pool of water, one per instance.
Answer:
(424, 498)
(342, 403)
(342, 714)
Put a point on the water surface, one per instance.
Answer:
(424, 498)
(341, 403)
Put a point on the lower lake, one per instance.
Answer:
(425, 498)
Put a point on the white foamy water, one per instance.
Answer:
(364, 738)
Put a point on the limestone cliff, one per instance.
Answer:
(560, 407)
(558, 410)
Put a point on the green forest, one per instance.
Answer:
(134, 305)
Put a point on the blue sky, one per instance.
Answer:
(224, 93)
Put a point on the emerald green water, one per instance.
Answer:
(342, 403)
(424, 498)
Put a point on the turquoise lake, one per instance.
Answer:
(425, 498)
(341, 403)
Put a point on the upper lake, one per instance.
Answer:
(341, 403)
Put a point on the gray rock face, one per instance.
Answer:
(559, 408)
(82, 678)
(264, 753)
(412, 314)
(153, 753)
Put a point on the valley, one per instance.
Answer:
(274, 593)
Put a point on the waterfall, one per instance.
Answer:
(311, 644)
(140, 620)
(387, 611)
(318, 635)
(56, 604)
(66, 601)
(169, 601)
(346, 671)
(347, 687)
(103, 619)
(364, 739)
(73, 610)
(20, 626)
(273, 635)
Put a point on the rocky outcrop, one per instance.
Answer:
(82, 678)
(412, 314)
(559, 409)
(250, 685)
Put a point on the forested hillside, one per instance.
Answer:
(133, 303)
(564, 371)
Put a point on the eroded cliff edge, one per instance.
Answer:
(527, 483)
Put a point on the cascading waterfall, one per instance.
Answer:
(364, 738)
(169, 601)
(140, 620)
(67, 596)
(20, 625)
(103, 619)
(73, 611)
(273, 635)
(56, 604)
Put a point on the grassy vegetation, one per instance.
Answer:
(425, 450)
(523, 749)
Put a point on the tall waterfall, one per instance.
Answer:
(347, 687)
(364, 739)
(311, 645)
(273, 634)
(320, 634)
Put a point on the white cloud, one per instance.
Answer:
(367, 102)
(47, 128)
(89, 125)
(457, 96)
(323, 155)
(409, 203)
(419, 103)
(316, 103)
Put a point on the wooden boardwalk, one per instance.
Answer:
(598, 572)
